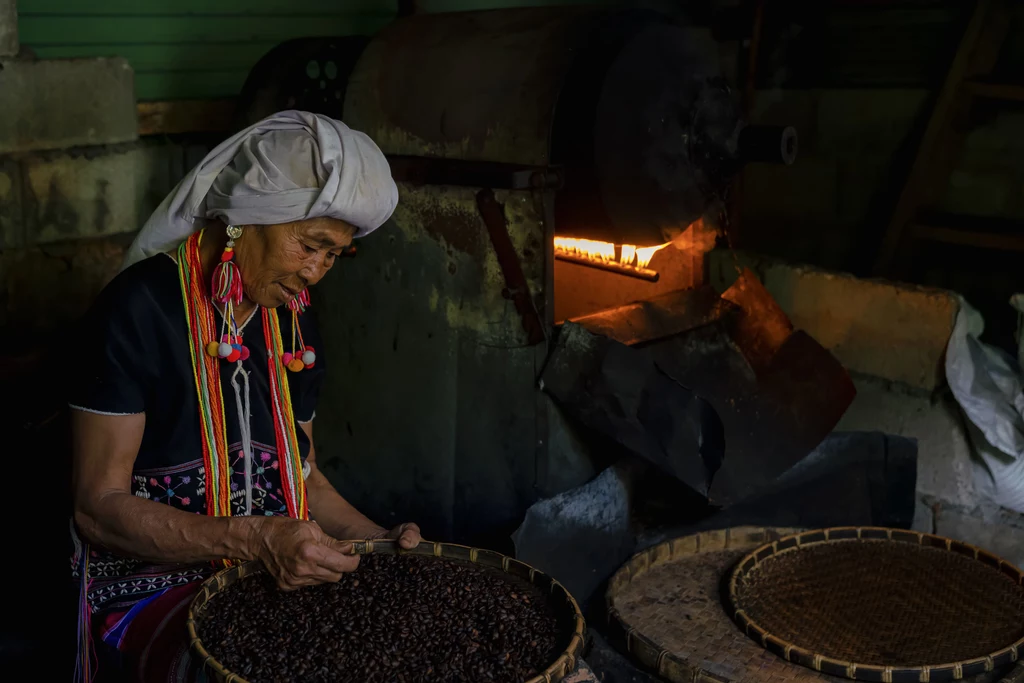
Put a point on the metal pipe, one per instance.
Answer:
(611, 266)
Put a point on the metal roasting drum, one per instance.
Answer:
(629, 108)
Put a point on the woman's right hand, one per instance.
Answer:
(298, 553)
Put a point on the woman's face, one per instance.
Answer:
(279, 261)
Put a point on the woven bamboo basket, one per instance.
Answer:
(561, 600)
(875, 604)
(666, 612)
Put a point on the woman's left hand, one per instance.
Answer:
(407, 535)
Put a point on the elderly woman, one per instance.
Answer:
(193, 412)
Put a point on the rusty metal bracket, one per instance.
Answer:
(498, 176)
(516, 288)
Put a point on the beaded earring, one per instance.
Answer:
(302, 357)
(226, 288)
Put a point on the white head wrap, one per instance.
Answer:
(288, 167)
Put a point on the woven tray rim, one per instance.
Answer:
(646, 651)
(947, 671)
(563, 665)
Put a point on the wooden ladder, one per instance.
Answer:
(968, 79)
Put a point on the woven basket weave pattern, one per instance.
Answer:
(878, 604)
(666, 606)
(856, 601)
(666, 611)
(561, 600)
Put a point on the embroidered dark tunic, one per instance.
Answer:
(135, 359)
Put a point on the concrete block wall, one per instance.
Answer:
(53, 104)
(892, 338)
(66, 139)
(8, 28)
(75, 194)
(66, 218)
(75, 183)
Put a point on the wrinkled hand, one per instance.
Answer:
(299, 553)
(407, 535)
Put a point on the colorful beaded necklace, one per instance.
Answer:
(202, 331)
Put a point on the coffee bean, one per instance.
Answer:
(395, 619)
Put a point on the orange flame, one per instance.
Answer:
(592, 249)
(645, 254)
(629, 254)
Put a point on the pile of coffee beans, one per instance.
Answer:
(398, 618)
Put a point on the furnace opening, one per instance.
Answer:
(594, 275)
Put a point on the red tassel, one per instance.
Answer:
(300, 303)
(227, 283)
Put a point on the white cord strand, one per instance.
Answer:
(225, 316)
(245, 428)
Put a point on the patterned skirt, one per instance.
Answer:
(149, 642)
(136, 614)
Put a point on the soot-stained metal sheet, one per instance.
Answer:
(771, 419)
(659, 317)
(620, 393)
(429, 412)
(777, 391)
(474, 85)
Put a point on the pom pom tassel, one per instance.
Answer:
(227, 283)
(301, 357)
(226, 289)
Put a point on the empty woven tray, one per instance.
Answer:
(666, 612)
(881, 604)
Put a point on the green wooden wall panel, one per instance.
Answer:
(63, 30)
(168, 56)
(205, 48)
(202, 7)
(187, 85)
(463, 5)
(182, 49)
